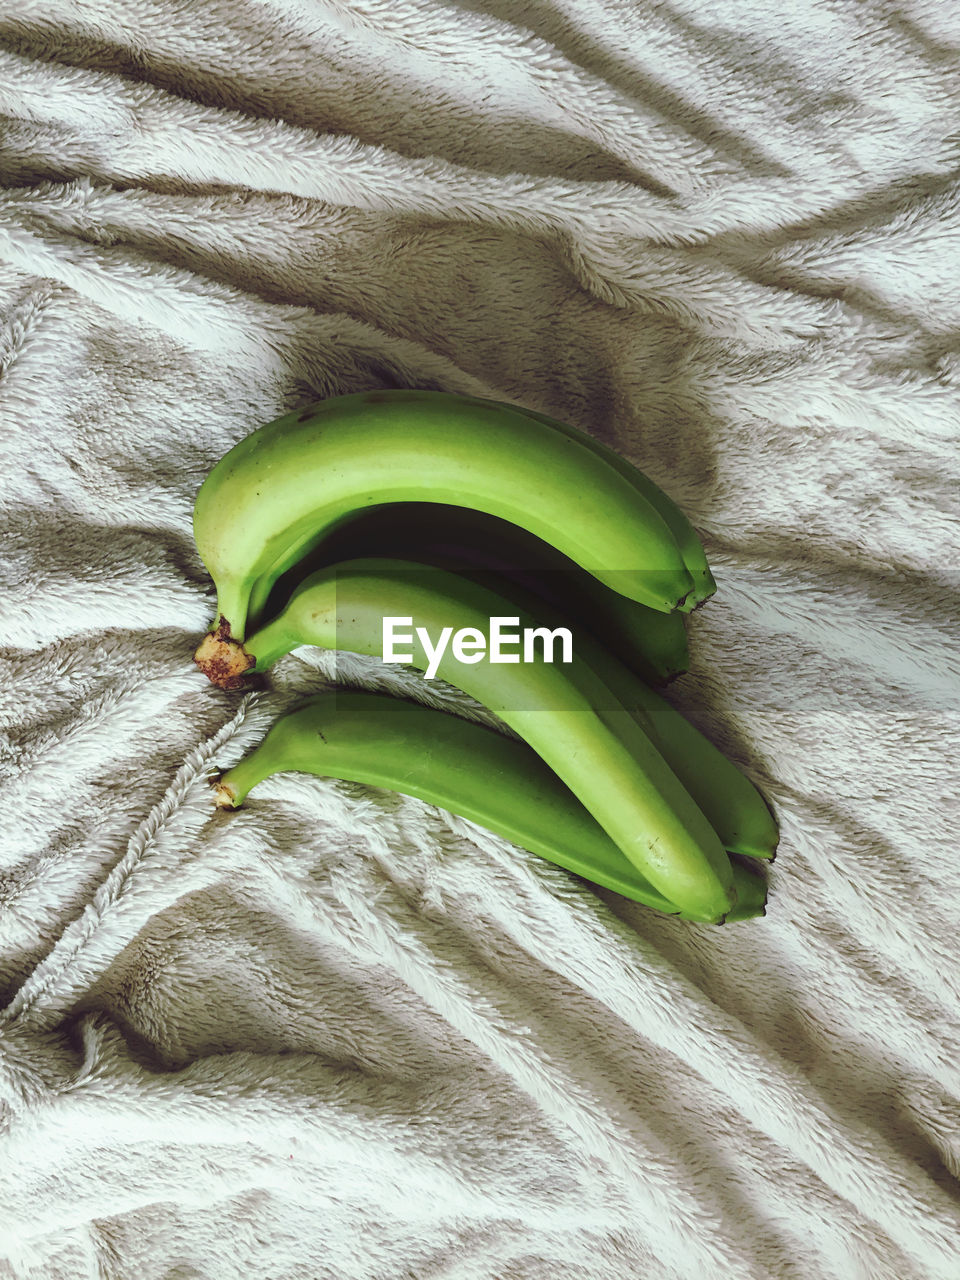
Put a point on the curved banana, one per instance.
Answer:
(688, 540)
(281, 490)
(735, 808)
(469, 541)
(564, 711)
(458, 538)
(463, 767)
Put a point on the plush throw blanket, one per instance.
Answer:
(340, 1034)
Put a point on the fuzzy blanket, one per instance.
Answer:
(339, 1034)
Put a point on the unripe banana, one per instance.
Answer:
(480, 545)
(281, 490)
(734, 807)
(688, 540)
(565, 712)
(458, 538)
(463, 767)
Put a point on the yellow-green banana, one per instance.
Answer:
(734, 807)
(688, 540)
(465, 768)
(604, 626)
(563, 710)
(281, 490)
(458, 538)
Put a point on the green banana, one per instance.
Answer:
(471, 541)
(281, 490)
(460, 766)
(734, 807)
(459, 538)
(564, 711)
(688, 540)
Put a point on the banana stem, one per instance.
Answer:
(223, 660)
(232, 787)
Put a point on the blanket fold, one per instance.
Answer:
(341, 1034)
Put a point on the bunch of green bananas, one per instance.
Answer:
(452, 511)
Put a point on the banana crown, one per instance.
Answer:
(428, 519)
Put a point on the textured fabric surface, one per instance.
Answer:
(339, 1034)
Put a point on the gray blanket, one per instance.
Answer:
(340, 1034)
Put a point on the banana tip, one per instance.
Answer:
(224, 796)
(223, 660)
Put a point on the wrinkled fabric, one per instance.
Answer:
(340, 1034)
